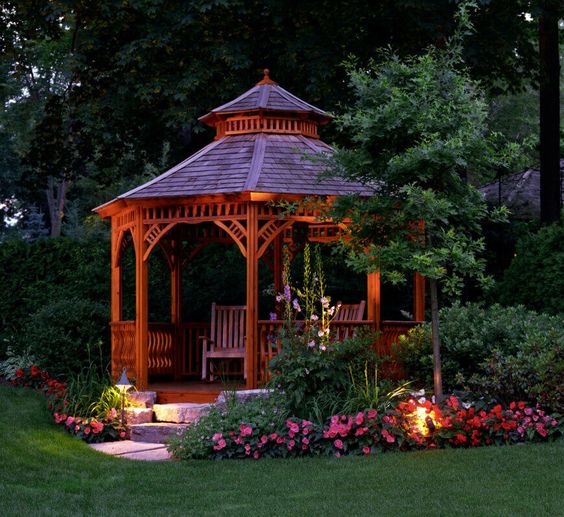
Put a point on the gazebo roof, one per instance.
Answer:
(266, 95)
(266, 142)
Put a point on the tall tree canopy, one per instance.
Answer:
(96, 93)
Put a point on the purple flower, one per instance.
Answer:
(273, 316)
(296, 305)
(287, 293)
(278, 298)
(311, 344)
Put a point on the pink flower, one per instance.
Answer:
(337, 454)
(220, 445)
(291, 434)
(76, 428)
(528, 411)
(295, 428)
(264, 438)
(273, 436)
(366, 450)
(238, 440)
(338, 444)
(541, 430)
(256, 455)
(87, 430)
(70, 421)
(371, 414)
(122, 434)
(387, 436)
(97, 427)
(359, 418)
(216, 437)
(246, 430)
(305, 441)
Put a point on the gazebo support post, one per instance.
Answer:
(419, 297)
(176, 301)
(277, 264)
(116, 290)
(373, 302)
(252, 295)
(141, 304)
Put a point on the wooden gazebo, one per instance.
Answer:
(224, 193)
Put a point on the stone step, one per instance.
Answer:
(157, 432)
(180, 412)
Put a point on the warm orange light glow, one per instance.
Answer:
(423, 421)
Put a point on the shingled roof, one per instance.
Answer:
(266, 95)
(268, 152)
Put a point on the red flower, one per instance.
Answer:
(35, 371)
(461, 438)
(19, 373)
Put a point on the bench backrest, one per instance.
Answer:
(351, 311)
(228, 326)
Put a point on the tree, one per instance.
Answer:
(142, 72)
(550, 181)
(418, 133)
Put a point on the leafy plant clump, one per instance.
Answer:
(534, 277)
(86, 407)
(501, 353)
(410, 425)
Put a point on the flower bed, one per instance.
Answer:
(411, 425)
(87, 428)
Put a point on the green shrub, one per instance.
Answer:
(505, 353)
(264, 414)
(66, 335)
(534, 277)
(37, 274)
(316, 384)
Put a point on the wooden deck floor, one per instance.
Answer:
(191, 391)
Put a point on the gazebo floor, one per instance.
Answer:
(191, 391)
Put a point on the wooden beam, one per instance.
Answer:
(418, 297)
(373, 299)
(176, 301)
(141, 304)
(252, 295)
(116, 294)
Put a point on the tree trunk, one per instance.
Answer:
(56, 197)
(437, 378)
(550, 182)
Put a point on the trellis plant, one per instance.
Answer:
(309, 301)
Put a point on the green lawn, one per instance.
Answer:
(44, 471)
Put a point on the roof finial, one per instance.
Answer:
(266, 79)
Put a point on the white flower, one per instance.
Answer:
(322, 347)
(331, 311)
(278, 298)
(320, 333)
(325, 302)
(314, 317)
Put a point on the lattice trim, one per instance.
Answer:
(237, 232)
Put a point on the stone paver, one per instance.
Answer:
(143, 398)
(157, 432)
(138, 415)
(181, 412)
(133, 450)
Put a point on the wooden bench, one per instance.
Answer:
(350, 312)
(227, 337)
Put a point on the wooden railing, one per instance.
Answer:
(123, 348)
(190, 353)
(161, 345)
(269, 343)
(178, 350)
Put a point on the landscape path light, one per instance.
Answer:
(123, 385)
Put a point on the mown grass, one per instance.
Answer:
(44, 471)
